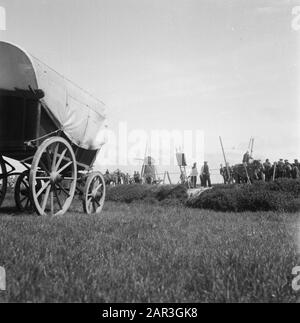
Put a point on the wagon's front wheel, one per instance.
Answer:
(53, 177)
(94, 193)
(3, 180)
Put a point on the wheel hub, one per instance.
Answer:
(96, 193)
(55, 178)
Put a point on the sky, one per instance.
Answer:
(229, 68)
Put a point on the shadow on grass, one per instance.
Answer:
(13, 211)
(8, 208)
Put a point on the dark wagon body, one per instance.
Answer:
(23, 119)
(38, 107)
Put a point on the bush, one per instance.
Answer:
(147, 193)
(215, 199)
(127, 193)
(285, 185)
(281, 195)
(167, 192)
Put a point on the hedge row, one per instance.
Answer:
(136, 192)
(281, 195)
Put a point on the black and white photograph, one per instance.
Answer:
(149, 154)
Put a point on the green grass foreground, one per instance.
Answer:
(149, 253)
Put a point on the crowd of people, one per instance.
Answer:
(265, 171)
(117, 178)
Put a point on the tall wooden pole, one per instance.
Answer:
(252, 146)
(274, 172)
(226, 164)
(250, 142)
(143, 167)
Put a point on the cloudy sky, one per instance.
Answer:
(227, 67)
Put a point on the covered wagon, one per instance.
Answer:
(55, 129)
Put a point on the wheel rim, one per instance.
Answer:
(22, 193)
(95, 191)
(3, 180)
(53, 177)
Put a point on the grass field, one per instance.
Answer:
(146, 252)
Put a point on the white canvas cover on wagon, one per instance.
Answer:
(81, 116)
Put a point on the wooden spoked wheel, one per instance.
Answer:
(94, 194)
(22, 193)
(53, 177)
(3, 180)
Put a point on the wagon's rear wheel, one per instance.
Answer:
(3, 180)
(22, 193)
(94, 193)
(54, 168)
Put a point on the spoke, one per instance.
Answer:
(23, 199)
(65, 191)
(57, 198)
(52, 202)
(42, 189)
(46, 198)
(99, 186)
(65, 167)
(25, 183)
(69, 178)
(90, 205)
(54, 157)
(60, 159)
(27, 204)
(43, 178)
(95, 201)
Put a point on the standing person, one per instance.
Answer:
(296, 169)
(206, 175)
(268, 170)
(280, 168)
(135, 177)
(139, 178)
(119, 177)
(194, 175)
(126, 179)
(223, 173)
(201, 176)
(246, 158)
(287, 169)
